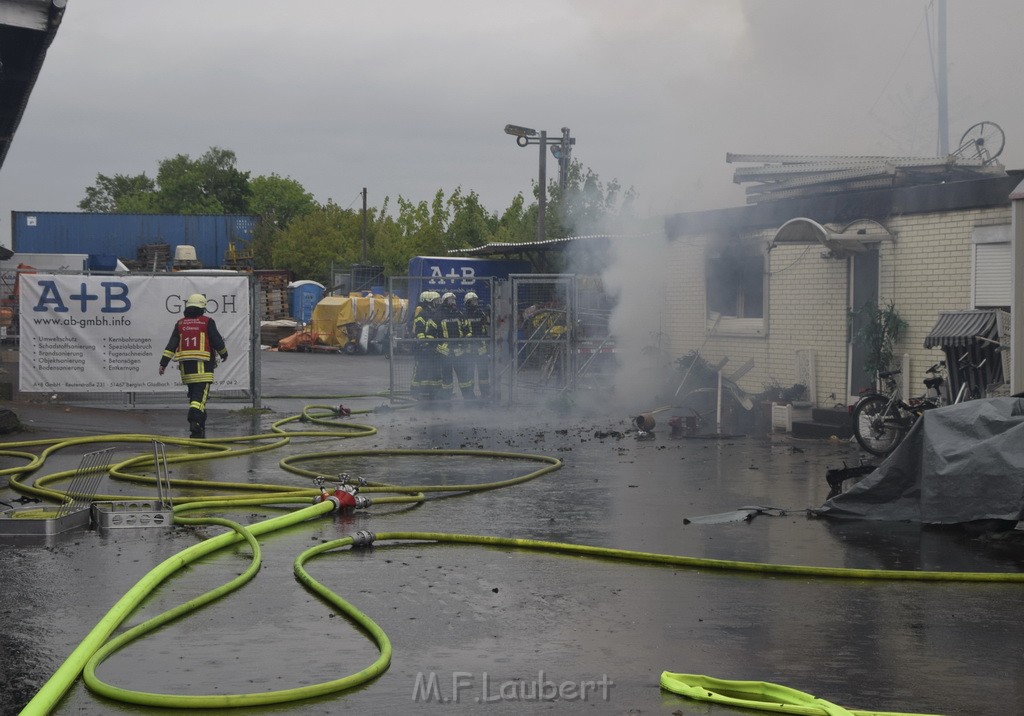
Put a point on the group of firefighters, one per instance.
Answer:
(451, 347)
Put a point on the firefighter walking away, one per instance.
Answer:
(195, 345)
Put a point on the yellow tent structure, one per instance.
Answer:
(339, 320)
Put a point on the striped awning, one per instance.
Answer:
(961, 328)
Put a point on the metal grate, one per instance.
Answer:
(141, 513)
(82, 490)
(73, 512)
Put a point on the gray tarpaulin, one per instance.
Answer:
(958, 464)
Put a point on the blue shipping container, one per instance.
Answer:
(121, 235)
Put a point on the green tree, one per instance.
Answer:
(279, 199)
(111, 194)
(294, 232)
(181, 190)
(429, 229)
(878, 329)
(276, 201)
(265, 235)
(222, 180)
(312, 242)
(470, 224)
(587, 205)
(517, 224)
(423, 225)
(208, 185)
(391, 247)
(141, 203)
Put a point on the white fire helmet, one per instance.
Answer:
(448, 298)
(425, 296)
(471, 299)
(196, 300)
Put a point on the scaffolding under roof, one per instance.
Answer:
(783, 176)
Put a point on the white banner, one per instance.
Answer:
(86, 333)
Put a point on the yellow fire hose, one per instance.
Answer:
(759, 695)
(96, 647)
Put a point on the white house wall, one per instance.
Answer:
(926, 270)
(686, 315)
(808, 297)
(685, 307)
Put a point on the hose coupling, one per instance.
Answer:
(363, 538)
(326, 497)
(363, 502)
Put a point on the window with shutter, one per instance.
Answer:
(992, 270)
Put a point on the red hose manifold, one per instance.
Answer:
(346, 499)
(342, 499)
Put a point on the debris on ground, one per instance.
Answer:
(836, 477)
(743, 514)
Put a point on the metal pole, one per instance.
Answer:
(718, 409)
(563, 161)
(364, 227)
(255, 363)
(543, 199)
(943, 89)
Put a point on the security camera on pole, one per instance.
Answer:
(561, 148)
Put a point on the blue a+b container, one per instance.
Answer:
(460, 274)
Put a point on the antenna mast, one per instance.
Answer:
(942, 90)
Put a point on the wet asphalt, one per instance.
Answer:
(499, 631)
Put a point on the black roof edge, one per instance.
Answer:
(54, 17)
(877, 204)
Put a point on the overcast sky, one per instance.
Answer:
(409, 97)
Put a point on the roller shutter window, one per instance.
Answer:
(992, 281)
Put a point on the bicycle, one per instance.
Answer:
(969, 390)
(882, 419)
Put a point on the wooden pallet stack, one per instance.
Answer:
(151, 257)
(273, 294)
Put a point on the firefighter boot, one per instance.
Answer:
(196, 423)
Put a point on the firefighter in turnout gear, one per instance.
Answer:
(478, 353)
(195, 344)
(451, 328)
(426, 377)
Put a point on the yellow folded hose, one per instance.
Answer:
(759, 695)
